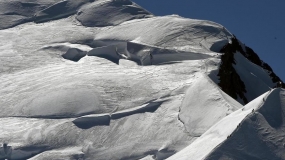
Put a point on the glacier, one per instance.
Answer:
(108, 80)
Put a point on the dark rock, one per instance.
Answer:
(230, 82)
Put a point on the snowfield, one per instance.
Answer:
(108, 80)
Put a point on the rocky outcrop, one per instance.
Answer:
(230, 82)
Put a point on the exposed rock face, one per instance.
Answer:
(230, 81)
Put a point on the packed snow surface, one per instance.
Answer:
(106, 79)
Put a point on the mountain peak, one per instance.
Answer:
(106, 79)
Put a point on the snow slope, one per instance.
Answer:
(108, 80)
(256, 79)
(114, 11)
(253, 132)
(204, 107)
(260, 135)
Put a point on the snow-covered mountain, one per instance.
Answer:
(108, 80)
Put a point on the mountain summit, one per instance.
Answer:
(107, 79)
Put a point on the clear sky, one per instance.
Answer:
(260, 24)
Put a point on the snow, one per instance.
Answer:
(90, 121)
(254, 132)
(66, 46)
(114, 11)
(205, 106)
(256, 79)
(74, 54)
(16, 12)
(150, 107)
(141, 54)
(107, 52)
(65, 153)
(56, 103)
(218, 133)
(260, 136)
(170, 32)
(122, 85)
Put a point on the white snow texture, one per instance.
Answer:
(108, 80)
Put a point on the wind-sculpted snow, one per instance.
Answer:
(142, 54)
(151, 107)
(170, 32)
(118, 89)
(59, 10)
(107, 52)
(21, 153)
(90, 121)
(88, 12)
(114, 11)
(108, 80)
(15, 12)
(74, 54)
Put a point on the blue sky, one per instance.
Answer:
(258, 24)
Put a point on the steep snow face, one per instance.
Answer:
(256, 79)
(89, 12)
(218, 133)
(170, 32)
(260, 135)
(14, 12)
(58, 10)
(254, 132)
(114, 11)
(203, 107)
